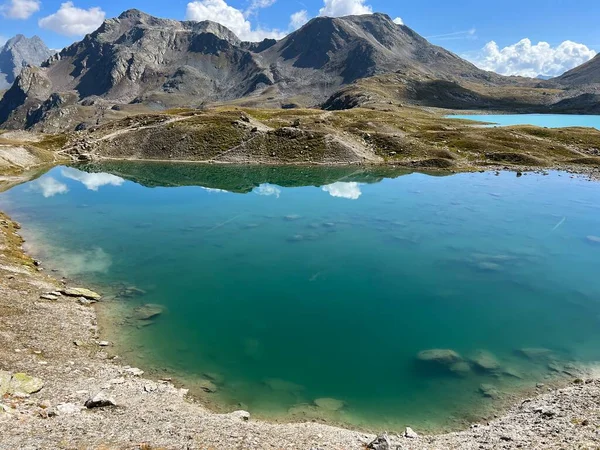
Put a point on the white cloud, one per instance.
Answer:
(399, 21)
(72, 21)
(258, 4)
(20, 9)
(2, 40)
(337, 8)
(298, 19)
(92, 181)
(230, 17)
(49, 187)
(527, 59)
(351, 190)
(268, 190)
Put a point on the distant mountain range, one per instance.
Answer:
(160, 63)
(18, 53)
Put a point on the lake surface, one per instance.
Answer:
(539, 120)
(281, 286)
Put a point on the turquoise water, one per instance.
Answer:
(281, 286)
(539, 120)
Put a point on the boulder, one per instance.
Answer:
(410, 433)
(148, 311)
(100, 400)
(81, 292)
(439, 356)
(381, 442)
(484, 360)
(24, 384)
(329, 404)
(461, 368)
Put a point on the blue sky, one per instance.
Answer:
(464, 27)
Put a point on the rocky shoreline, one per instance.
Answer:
(60, 389)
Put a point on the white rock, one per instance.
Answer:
(103, 343)
(134, 371)
(410, 433)
(241, 415)
(117, 381)
(67, 409)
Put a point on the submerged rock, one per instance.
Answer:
(445, 357)
(536, 354)
(25, 384)
(131, 291)
(511, 372)
(81, 292)
(329, 404)
(461, 368)
(489, 391)
(207, 386)
(148, 311)
(486, 361)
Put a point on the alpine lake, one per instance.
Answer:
(367, 297)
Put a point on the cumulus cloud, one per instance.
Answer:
(20, 9)
(92, 181)
(529, 60)
(399, 21)
(350, 190)
(49, 187)
(298, 19)
(72, 21)
(234, 19)
(268, 190)
(337, 8)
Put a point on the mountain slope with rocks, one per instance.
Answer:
(161, 63)
(585, 74)
(18, 53)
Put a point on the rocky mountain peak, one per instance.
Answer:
(19, 52)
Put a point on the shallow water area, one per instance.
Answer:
(312, 293)
(539, 120)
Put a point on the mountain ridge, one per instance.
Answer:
(140, 59)
(156, 63)
(18, 53)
